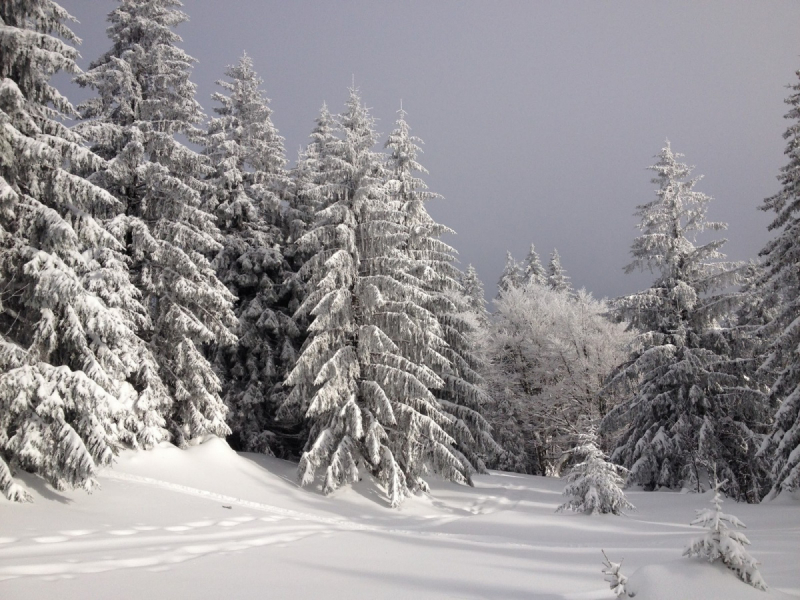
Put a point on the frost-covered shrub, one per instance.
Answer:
(549, 353)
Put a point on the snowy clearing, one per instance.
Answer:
(210, 523)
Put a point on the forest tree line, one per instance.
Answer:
(155, 290)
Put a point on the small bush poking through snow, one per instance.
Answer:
(722, 543)
(595, 484)
(616, 580)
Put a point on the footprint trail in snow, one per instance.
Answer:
(144, 546)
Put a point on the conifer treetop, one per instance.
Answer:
(511, 276)
(534, 271)
(557, 277)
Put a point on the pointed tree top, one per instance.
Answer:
(557, 277)
(511, 275)
(534, 271)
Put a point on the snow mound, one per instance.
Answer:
(692, 578)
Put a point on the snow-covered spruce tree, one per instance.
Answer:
(304, 200)
(511, 275)
(534, 271)
(557, 277)
(68, 354)
(245, 192)
(594, 484)
(685, 410)
(549, 354)
(781, 281)
(362, 379)
(720, 542)
(144, 100)
(432, 270)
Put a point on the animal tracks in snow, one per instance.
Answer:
(142, 546)
(146, 546)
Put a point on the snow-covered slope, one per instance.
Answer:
(209, 523)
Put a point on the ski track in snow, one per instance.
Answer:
(91, 551)
(171, 550)
(334, 523)
(74, 552)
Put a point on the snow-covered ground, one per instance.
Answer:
(209, 523)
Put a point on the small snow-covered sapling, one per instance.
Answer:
(720, 542)
(616, 580)
(595, 484)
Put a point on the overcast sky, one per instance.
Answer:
(539, 118)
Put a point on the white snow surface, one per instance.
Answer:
(207, 522)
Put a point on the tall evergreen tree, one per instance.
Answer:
(311, 171)
(557, 277)
(245, 193)
(686, 411)
(362, 380)
(781, 281)
(144, 100)
(68, 353)
(433, 269)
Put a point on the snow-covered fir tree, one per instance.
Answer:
(722, 542)
(144, 100)
(557, 277)
(363, 380)
(511, 276)
(687, 409)
(245, 193)
(534, 271)
(305, 198)
(432, 269)
(594, 484)
(781, 281)
(69, 358)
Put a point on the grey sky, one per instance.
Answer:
(539, 118)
